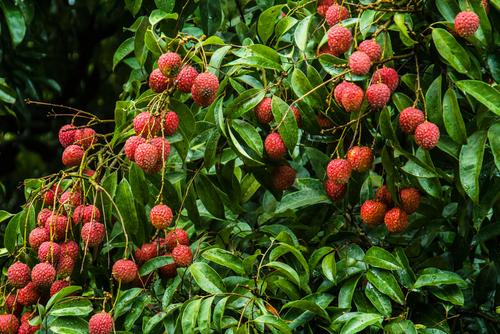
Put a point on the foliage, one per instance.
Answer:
(293, 261)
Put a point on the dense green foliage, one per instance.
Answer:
(293, 261)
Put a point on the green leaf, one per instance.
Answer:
(249, 135)
(301, 34)
(301, 198)
(140, 50)
(366, 21)
(125, 203)
(170, 291)
(307, 305)
(451, 50)
(329, 267)
(11, 231)
(267, 19)
(400, 327)
(287, 125)
(133, 6)
(433, 101)
(448, 8)
(470, 163)
(7, 94)
(347, 291)
(154, 321)
(210, 157)
(69, 325)
(453, 121)
(494, 140)
(64, 292)
(360, 322)
(159, 15)
(207, 194)
(189, 316)
(211, 16)
(437, 277)
(125, 300)
(224, 258)
(207, 278)
(386, 125)
(244, 102)
(303, 90)
(386, 283)
(449, 293)
(484, 93)
(154, 264)
(152, 43)
(15, 22)
(205, 315)
(381, 302)
(71, 307)
(4, 215)
(216, 59)
(275, 322)
(380, 258)
(286, 270)
(123, 50)
(218, 313)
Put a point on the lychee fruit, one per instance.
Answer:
(72, 155)
(43, 215)
(67, 135)
(124, 271)
(409, 199)
(28, 295)
(339, 39)
(176, 237)
(49, 251)
(146, 125)
(466, 23)
(93, 234)
(326, 49)
(323, 6)
(85, 137)
(371, 48)
(388, 76)
(56, 226)
(359, 63)
(274, 146)
(146, 156)
(58, 286)
(131, 145)
(335, 14)
(161, 216)
(373, 212)
(170, 123)
(352, 97)
(384, 195)
(43, 275)
(18, 275)
(101, 323)
(378, 95)
(334, 191)
(12, 305)
(410, 118)
(163, 147)
(38, 236)
(339, 170)
(360, 158)
(157, 81)
(204, 89)
(65, 266)
(49, 195)
(69, 248)
(396, 220)
(9, 324)
(168, 270)
(169, 63)
(71, 198)
(263, 111)
(182, 255)
(90, 212)
(338, 92)
(185, 78)
(427, 135)
(26, 328)
(146, 252)
(283, 177)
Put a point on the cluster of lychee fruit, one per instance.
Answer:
(382, 209)
(338, 171)
(75, 140)
(412, 122)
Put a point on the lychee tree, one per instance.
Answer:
(275, 167)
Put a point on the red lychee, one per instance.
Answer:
(388, 76)
(204, 89)
(339, 170)
(49, 251)
(43, 215)
(93, 234)
(146, 252)
(38, 236)
(334, 191)
(182, 255)
(67, 135)
(359, 63)
(12, 305)
(466, 23)
(56, 226)
(339, 39)
(176, 237)
(28, 295)
(146, 125)
(70, 248)
(360, 158)
(124, 271)
(326, 49)
(18, 275)
(43, 275)
(131, 145)
(49, 195)
(378, 95)
(58, 286)
(373, 212)
(65, 266)
(170, 123)
(396, 220)
(410, 118)
(169, 63)
(168, 270)
(71, 198)
(72, 155)
(146, 156)
(9, 324)
(409, 199)
(323, 6)
(161, 216)
(163, 147)
(335, 14)
(101, 323)
(371, 48)
(263, 111)
(384, 195)
(274, 146)
(352, 97)
(283, 177)
(427, 135)
(157, 81)
(85, 137)
(185, 78)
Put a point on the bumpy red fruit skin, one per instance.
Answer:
(9, 324)
(323, 6)
(101, 323)
(360, 158)
(124, 271)
(65, 266)
(378, 95)
(466, 23)
(170, 123)
(388, 76)
(283, 177)
(334, 191)
(335, 14)
(67, 135)
(352, 98)
(263, 111)
(146, 252)
(163, 147)
(176, 237)
(384, 195)
(42, 217)
(409, 199)
(49, 251)
(12, 305)
(274, 146)
(146, 156)
(131, 145)
(70, 248)
(38, 236)
(93, 234)
(157, 81)
(182, 255)
(204, 89)
(338, 92)
(427, 135)
(18, 274)
(28, 295)
(396, 220)
(91, 213)
(371, 48)
(339, 170)
(359, 63)
(339, 39)
(326, 49)
(43, 275)
(185, 78)
(161, 216)
(58, 286)
(373, 212)
(146, 125)
(56, 226)
(85, 137)
(409, 119)
(71, 198)
(169, 63)
(72, 155)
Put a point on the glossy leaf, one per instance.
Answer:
(453, 120)
(484, 93)
(470, 163)
(451, 50)
(380, 258)
(224, 258)
(207, 278)
(385, 282)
